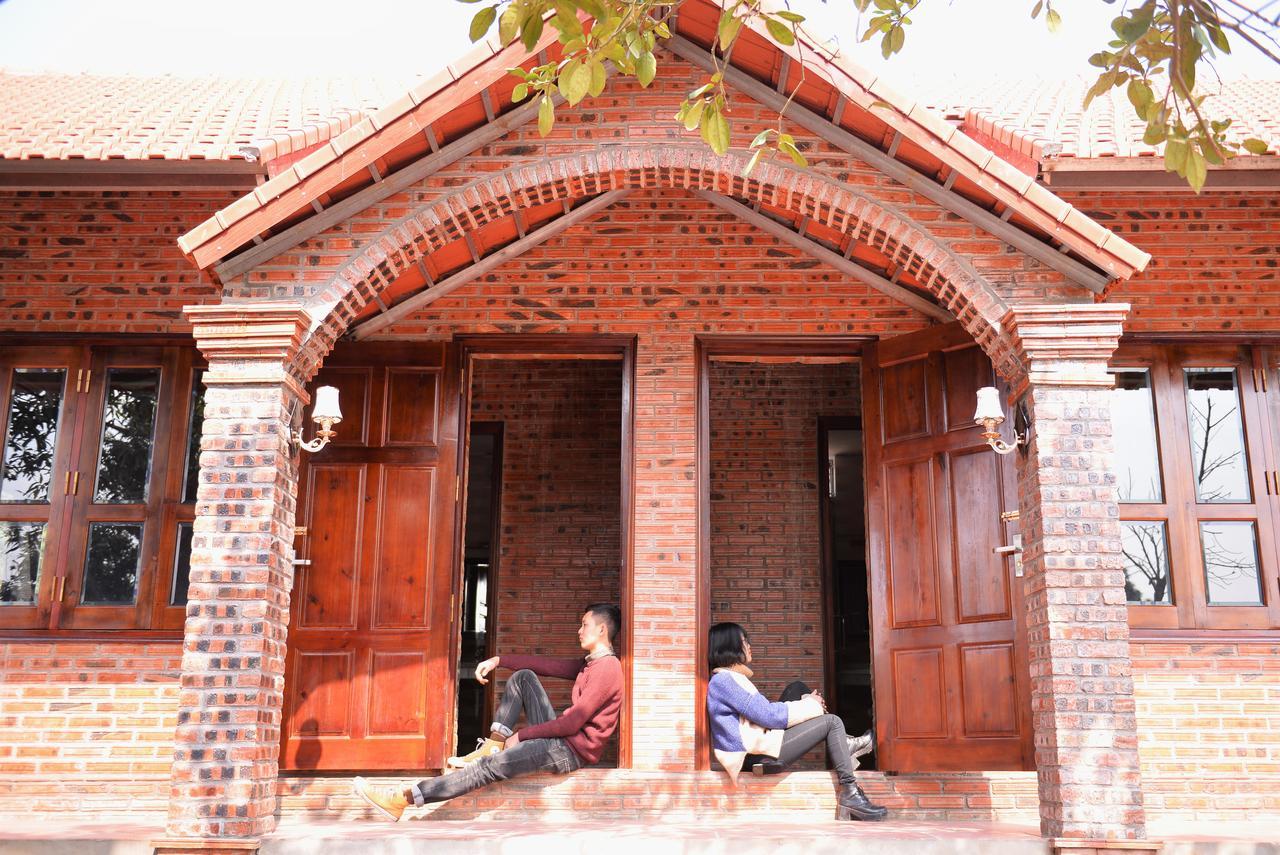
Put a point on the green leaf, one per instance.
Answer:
(1035, 10)
(598, 77)
(1155, 134)
(646, 68)
(886, 5)
(694, 116)
(751, 164)
(718, 133)
(761, 138)
(1140, 95)
(780, 32)
(892, 42)
(1175, 156)
(519, 93)
(1255, 146)
(728, 29)
(791, 151)
(482, 21)
(575, 81)
(531, 31)
(1054, 20)
(509, 24)
(793, 17)
(546, 116)
(1197, 170)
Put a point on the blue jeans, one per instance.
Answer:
(522, 693)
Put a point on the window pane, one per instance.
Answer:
(1146, 562)
(33, 428)
(1219, 464)
(23, 545)
(111, 568)
(181, 566)
(129, 416)
(1230, 562)
(191, 481)
(1133, 420)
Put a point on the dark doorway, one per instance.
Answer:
(479, 577)
(842, 507)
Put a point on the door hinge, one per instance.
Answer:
(88, 372)
(457, 487)
(60, 588)
(1009, 516)
(300, 531)
(72, 485)
(79, 378)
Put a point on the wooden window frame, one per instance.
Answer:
(71, 512)
(1180, 509)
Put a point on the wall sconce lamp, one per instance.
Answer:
(989, 417)
(326, 414)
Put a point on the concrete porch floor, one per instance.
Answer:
(519, 837)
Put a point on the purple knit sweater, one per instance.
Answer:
(727, 700)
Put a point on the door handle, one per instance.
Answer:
(1014, 549)
(302, 562)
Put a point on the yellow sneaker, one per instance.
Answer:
(390, 803)
(484, 748)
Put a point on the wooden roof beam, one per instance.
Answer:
(834, 259)
(474, 271)
(1076, 271)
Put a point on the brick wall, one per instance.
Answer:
(100, 262)
(561, 500)
(766, 542)
(1208, 730)
(87, 726)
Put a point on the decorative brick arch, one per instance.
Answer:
(956, 284)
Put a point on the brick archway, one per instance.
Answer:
(956, 284)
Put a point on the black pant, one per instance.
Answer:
(800, 740)
(523, 692)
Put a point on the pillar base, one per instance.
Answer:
(1085, 846)
(197, 845)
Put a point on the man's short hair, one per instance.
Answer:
(609, 615)
(726, 646)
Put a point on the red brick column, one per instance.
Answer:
(228, 735)
(663, 644)
(1085, 729)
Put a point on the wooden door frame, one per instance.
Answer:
(570, 346)
(705, 348)
(827, 424)
(497, 430)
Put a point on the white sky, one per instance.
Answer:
(952, 39)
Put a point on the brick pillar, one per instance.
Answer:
(1083, 719)
(664, 585)
(228, 735)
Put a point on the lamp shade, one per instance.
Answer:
(988, 406)
(326, 406)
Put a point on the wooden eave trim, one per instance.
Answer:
(942, 140)
(1152, 177)
(39, 174)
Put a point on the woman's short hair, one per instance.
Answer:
(726, 645)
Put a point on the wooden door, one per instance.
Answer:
(949, 654)
(370, 676)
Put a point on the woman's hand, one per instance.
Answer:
(817, 696)
(485, 668)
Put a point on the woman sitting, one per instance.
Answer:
(747, 727)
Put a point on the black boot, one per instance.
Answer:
(852, 803)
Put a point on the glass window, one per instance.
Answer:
(23, 545)
(1134, 427)
(128, 420)
(1219, 463)
(191, 480)
(111, 567)
(1146, 562)
(181, 566)
(34, 405)
(1230, 562)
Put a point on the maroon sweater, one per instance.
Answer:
(597, 700)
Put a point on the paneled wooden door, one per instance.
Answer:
(369, 681)
(949, 654)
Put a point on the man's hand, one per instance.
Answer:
(511, 741)
(485, 668)
(818, 697)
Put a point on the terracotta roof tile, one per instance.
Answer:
(64, 116)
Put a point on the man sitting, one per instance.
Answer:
(548, 744)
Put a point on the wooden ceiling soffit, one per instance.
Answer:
(396, 182)
(121, 174)
(763, 93)
(479, 268)
(833, 259)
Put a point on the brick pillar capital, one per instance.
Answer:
(1066, 344)
(251, 343)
